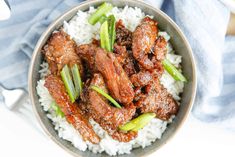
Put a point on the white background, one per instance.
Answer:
(195, 139)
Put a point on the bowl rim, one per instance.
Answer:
(89, 3)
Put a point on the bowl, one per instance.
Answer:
(180, 45)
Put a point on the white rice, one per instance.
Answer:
(82, 32)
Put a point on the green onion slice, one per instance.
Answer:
(104, 36)
(57, 109)
(107, 33)
(112, 32)
(171, 69)
(100, 91)
(102, 19)
(77, 80)
(73, 86)
(65, 74)
(128, 126)
(102, 10)
(138, 123)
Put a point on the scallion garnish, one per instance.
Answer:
(138, 123)
(102, 10)
(57, 109)
(100, 91)
(112, 32)
(107, 33)
(171, 69)
(76, 79)
(104, 36)
(102, 19)
(65, 74)
(73, 87)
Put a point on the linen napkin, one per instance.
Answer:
(203, 22)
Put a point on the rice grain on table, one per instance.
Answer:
(82, 33)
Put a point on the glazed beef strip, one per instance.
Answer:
(156, 99)
(123, 35)
(117, 81)
(159, 52)
(120, 53)
(107, 116)
(59, 51)
(73, 114)
(130, 66)
(122, 48)
(150, 95)
(141, 79)
(160, 49)
(143, 41)
(125, 58)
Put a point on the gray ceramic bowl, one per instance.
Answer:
(179, 43)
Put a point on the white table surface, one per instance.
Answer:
(195, 139)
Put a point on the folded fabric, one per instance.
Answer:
(203, 22)
(20, 34)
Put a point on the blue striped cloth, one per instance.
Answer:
(204, 23)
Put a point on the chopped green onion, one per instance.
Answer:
(100, 91)
(107, 33)
(77, 80)
(65, 74)
(104, 36)
(128, 126)
(112, 33)
(57, 109)
(171, 69)
(138, 123)
(102, 19)
(102, 10)
(143, 120)
(73, 87)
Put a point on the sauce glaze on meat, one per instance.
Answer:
(130, 75)
(73, 113)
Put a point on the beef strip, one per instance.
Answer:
(123, 35)
(107, 116)
(141, 79)
(59, 51)
(129, 65)
(87, 53)
(160, 51)
(158, 68)
(138, 95)
(143, 40)
(117, 81)
(122, 48)
(120, 53)
(125, 58)
(156, 99)
(73, 114)
(124, 137)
